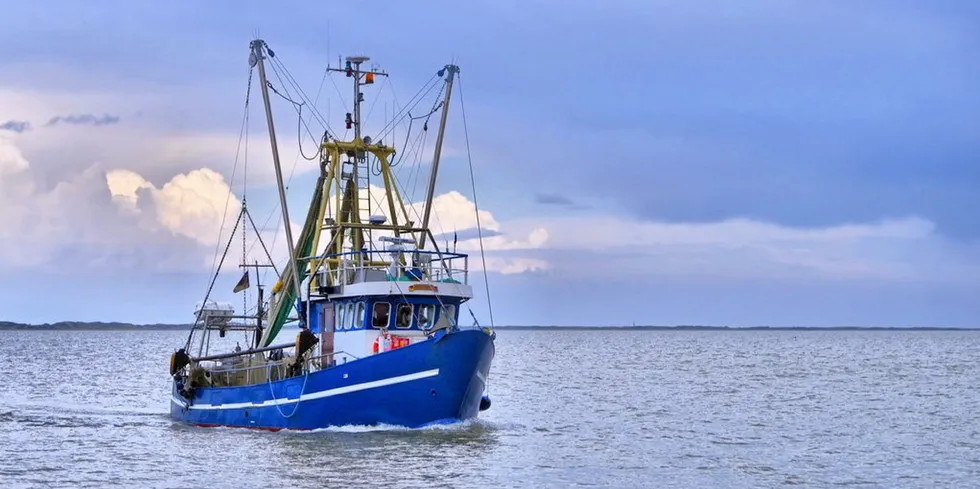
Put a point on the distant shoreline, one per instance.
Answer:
(91, 326)
(115, 326)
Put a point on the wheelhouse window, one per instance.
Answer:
(348, 315)
(427, 313)
(341, 317)
(359, 316)
(404, 318)
(380, 314)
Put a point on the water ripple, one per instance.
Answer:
(603, 409)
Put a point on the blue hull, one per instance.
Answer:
(440, 380)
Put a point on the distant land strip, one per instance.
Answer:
(116, 326)
(91, 326)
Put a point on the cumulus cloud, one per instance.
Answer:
(12, 161)
(453, 213)
(193, 205)
(100, 220)
(510, 266)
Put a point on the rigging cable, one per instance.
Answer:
(419, 146)
(241, 137)
(418, 152)
(215, 265)
(292, 170)
(342, 99)
(425, 125)
(376, 169)
(215, 276)
(395, 119)
(298, 106)
(279, 70)
(479, 228)
(278, 65)
(245, 211)
(377, 97)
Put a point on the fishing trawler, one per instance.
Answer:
(376, 301)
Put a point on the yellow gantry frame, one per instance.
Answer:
(347, 214)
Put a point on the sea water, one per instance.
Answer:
(658, 409)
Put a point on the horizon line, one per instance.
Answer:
(118, 325)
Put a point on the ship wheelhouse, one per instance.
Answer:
(380, 303)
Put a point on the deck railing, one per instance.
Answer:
(376, 266)
(236, 375)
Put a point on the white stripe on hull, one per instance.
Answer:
(314, 395)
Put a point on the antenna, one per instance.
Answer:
(358, 156)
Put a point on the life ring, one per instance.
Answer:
(390, 342)
(382, 343)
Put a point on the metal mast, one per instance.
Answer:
(353, 70)
(452, 70)
(257, 57)
(358, 96)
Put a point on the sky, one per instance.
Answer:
(760, 162)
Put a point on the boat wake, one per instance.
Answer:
(466, 425)
(469, 426)
(62, 416)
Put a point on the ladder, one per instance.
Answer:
(364, 189)
(364, 195)
(363, 182)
